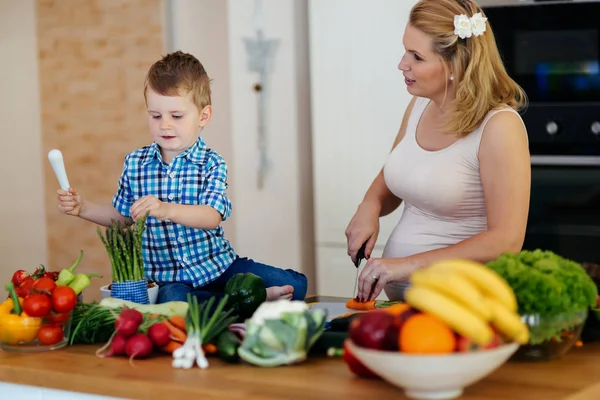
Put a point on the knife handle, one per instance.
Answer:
(360, 254)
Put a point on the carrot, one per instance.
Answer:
(171, 347)
(175, 333)
(178, 322)
(209, 348)
(354, 304)
(153, 316)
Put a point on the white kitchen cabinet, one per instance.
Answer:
(358, 98)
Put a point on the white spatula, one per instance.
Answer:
(56, 159)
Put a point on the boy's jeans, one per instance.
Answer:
(271, 276)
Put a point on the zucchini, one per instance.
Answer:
(168, 309)
(326, 341)
(342, 324)
(227, 346)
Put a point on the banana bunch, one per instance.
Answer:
(470, 298)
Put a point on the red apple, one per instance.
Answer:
(464, 344)
(372, 329)
(391, 339)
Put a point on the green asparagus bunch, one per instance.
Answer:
(123, 242)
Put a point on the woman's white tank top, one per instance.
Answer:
(442, 192)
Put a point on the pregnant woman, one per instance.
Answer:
(460, 161)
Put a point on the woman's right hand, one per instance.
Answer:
(363, 227)
(69, 202)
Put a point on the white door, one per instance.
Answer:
(358, 98)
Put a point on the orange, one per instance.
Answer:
(426, 334)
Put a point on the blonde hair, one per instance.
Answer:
(178, 74)
(480, 78)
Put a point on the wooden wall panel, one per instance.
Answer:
(93, 57)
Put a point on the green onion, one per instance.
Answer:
(91, 324)
(201, 329)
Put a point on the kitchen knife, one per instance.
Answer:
(359, 257)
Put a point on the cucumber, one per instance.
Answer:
(227, 346)
(168, 309)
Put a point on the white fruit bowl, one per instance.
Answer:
(433, 377)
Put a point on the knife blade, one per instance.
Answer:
(359, 257)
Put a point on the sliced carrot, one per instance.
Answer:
(209, 348)
(354, 304)
(153, 316)
(175, 333)
(178, 322)
(171, 347)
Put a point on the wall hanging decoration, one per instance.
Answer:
(261, 52)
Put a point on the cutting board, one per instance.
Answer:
(334, 309)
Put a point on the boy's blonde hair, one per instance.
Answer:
(480, 78)
(178, 74)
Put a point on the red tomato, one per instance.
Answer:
(37, 305)
(25, 287)
(64, 299)
(44, 285)
(59, 319)
(50, 335)
(19, 276)
(52, 275)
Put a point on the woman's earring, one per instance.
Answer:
(451, 77)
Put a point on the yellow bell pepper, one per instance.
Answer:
(15, 326)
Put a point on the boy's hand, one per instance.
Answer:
(69, 202)
(157, 208)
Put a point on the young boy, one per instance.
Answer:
(182, 183)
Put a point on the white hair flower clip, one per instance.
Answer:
(464, 26)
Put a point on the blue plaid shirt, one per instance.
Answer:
(173, 252)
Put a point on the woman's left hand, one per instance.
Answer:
(378, 272)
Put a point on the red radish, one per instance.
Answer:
(130, 313)
(138, 346)
(117, 346)
(159, 334)
(128, 322)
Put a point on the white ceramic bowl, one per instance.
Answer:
(433, 377)
(152, 293)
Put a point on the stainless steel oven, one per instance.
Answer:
(552, 49)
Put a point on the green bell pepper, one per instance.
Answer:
(246, 292)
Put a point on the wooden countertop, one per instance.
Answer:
(77, 369)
